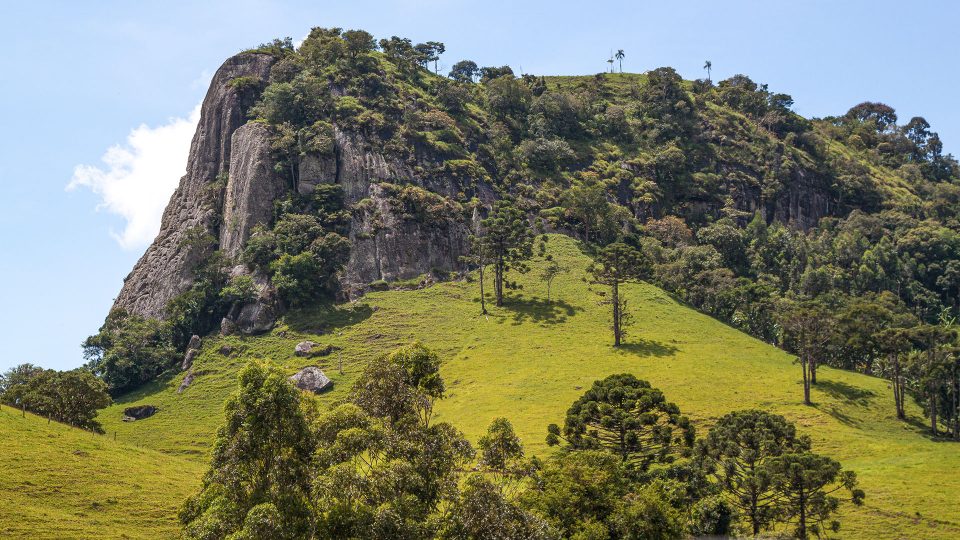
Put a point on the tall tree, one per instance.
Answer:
(586, 202)
(708, 65)
(807, 482)
(894, 344)
(507, 240)
(808, 332)
(626, 416)
(615, 265)
(930, 367)
(464, 71)
(479, 256)
(620, 55)
(260, 469)
(739, 448)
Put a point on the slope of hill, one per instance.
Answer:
(60, 482)
(530, 359)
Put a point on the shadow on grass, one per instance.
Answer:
(648, 347)
(539, 310)
(846, 392)
(325, 318)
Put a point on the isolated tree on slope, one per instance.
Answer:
(628, 417)
(615, 265)
(506, 239)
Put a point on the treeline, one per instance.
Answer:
(71, 397)
(379, 466)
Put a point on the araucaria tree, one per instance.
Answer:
(615, 265)
(738, 449)
(507, 240)
(628, 417)
(806, 482)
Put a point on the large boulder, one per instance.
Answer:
(311, 379)
(309, 349)
(139, 412)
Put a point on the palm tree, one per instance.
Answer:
(707, 67)
(610, 61)
(620, 56)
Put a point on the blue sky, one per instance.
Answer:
(80, 78)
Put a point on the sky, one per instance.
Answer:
(100, 100)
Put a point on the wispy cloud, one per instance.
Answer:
(136, 178)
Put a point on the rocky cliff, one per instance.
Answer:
(232, 185)
(165, 270)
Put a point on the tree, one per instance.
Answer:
(507, 239)
(550, 272)
(894, 344)
(620, 55)
(464, 71)
(501, 451)
(587, 203)
(478, 255)
(808, 331)
(930, 367)
(806, 482)
(129, 350)
(615, 265)
(260, 467)
(71, 397)
(577, 492)
(482, 511)
(739, 447)
(647, 515)
(400, 385)
(628, 417)
(708, 65)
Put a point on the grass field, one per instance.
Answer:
(59, 482)
(526, 361)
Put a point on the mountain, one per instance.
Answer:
(341, 193)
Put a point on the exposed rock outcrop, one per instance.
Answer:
(252, 187)
(312, 379)
(139, 412)
(165, 270)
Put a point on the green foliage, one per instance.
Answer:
(740, 447)
(628, 417)
(258, 482)
(806, 482)
(129, 351)
(71, 397)
(507, 242)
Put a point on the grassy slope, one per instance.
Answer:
(60, 482)
(530, 359)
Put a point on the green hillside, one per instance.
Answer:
(60, 482)
(528, 361)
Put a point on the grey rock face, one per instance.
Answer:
(164, 271)
(303, 348)
(188, 359)
(187, 381)
(311, 379)
(252, 187)
(195, 342)
(139, 413)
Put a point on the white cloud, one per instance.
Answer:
(138, 177)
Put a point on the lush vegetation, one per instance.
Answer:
(835, 239)
(72, 397)
(379, 467)
(531, 359)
